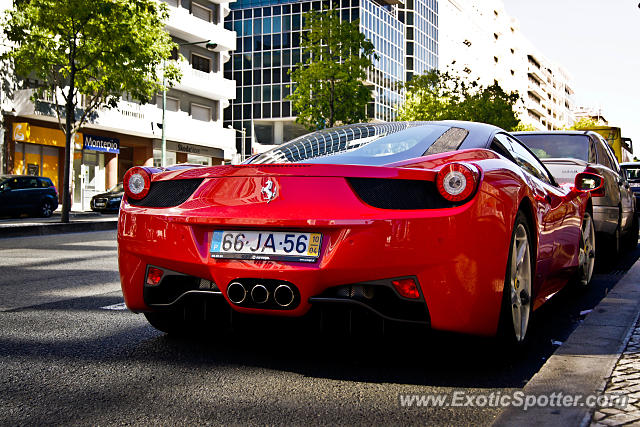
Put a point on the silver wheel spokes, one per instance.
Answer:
(520, 284)
(587, 254)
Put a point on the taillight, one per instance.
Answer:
(154, 276)
(456, 182)
(407, 288)
(136, 183)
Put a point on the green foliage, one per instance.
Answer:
(523, 127)
(443, 96)
(98, 48)
(329, 83)
(586, 123)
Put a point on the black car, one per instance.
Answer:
(109, 201)
(20, 194)
(632, 170)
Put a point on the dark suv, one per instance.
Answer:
(34, 195)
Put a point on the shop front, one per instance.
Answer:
(91, 168)
(39, 151)
(187, 153)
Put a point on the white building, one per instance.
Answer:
(130, 135)
(479, 40)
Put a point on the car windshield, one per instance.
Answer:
(557, 146)
(633, 173)
(367, 144)
(117, 189)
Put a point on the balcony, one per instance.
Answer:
(207, 85)
(180, 127)
(187, 27)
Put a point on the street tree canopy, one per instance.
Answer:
(440, 95)
(101, 49)
(586, 123)
(329, 83)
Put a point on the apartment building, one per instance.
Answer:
(131, 134)
(478, 39)
(269, 34)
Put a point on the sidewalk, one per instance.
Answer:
(602, 356)
(78, 222)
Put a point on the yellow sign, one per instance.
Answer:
(24, 132)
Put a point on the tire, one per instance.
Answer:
(46, 209)
(587, 251)
(517, 296)
(169, 322)
(631, 238)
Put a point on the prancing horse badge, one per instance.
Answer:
(269, 191)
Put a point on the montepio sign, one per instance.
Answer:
(101, 143)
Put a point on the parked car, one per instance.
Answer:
(25, 194)
(632, 170)
(566, 153)
(108, 201)
(455, 225)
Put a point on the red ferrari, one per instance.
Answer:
(455, 225)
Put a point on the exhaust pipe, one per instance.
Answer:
(283, 295)
(236, 292)
(259, 294)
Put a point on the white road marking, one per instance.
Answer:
(120, 306)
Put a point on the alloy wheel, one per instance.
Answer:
(520, 283)
(587, 255)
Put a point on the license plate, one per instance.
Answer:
(101, 204)
(266, 245)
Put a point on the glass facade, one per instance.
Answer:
(268, 46)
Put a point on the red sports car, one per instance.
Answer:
(455, 225)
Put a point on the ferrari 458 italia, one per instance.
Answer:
(454, 225)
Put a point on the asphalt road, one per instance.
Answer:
(70, 355)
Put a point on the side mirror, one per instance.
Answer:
(590, 183)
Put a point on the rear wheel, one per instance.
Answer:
(631, 238)
(517, 298)
(46, 209)
(587, 250)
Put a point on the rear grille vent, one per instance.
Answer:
(164, 194)
(403, 194)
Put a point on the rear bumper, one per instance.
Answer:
(605, 219)
(459, 269)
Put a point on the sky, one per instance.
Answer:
(598, 43)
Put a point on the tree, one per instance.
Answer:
(329, 84)
(524, 127)
(586, 123)
(99, 49)
(442, 96)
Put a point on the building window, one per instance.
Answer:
(201, 12)
(172, 104)
(174, 3)
(200, 63)
(200, 112)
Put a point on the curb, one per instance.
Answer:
(583, 364)
(57, 228)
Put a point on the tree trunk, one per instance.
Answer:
(68, 148)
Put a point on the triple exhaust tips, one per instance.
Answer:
(258, 294)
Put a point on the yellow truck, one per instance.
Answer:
(622, 147)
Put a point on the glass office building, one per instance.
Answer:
(269, 35)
